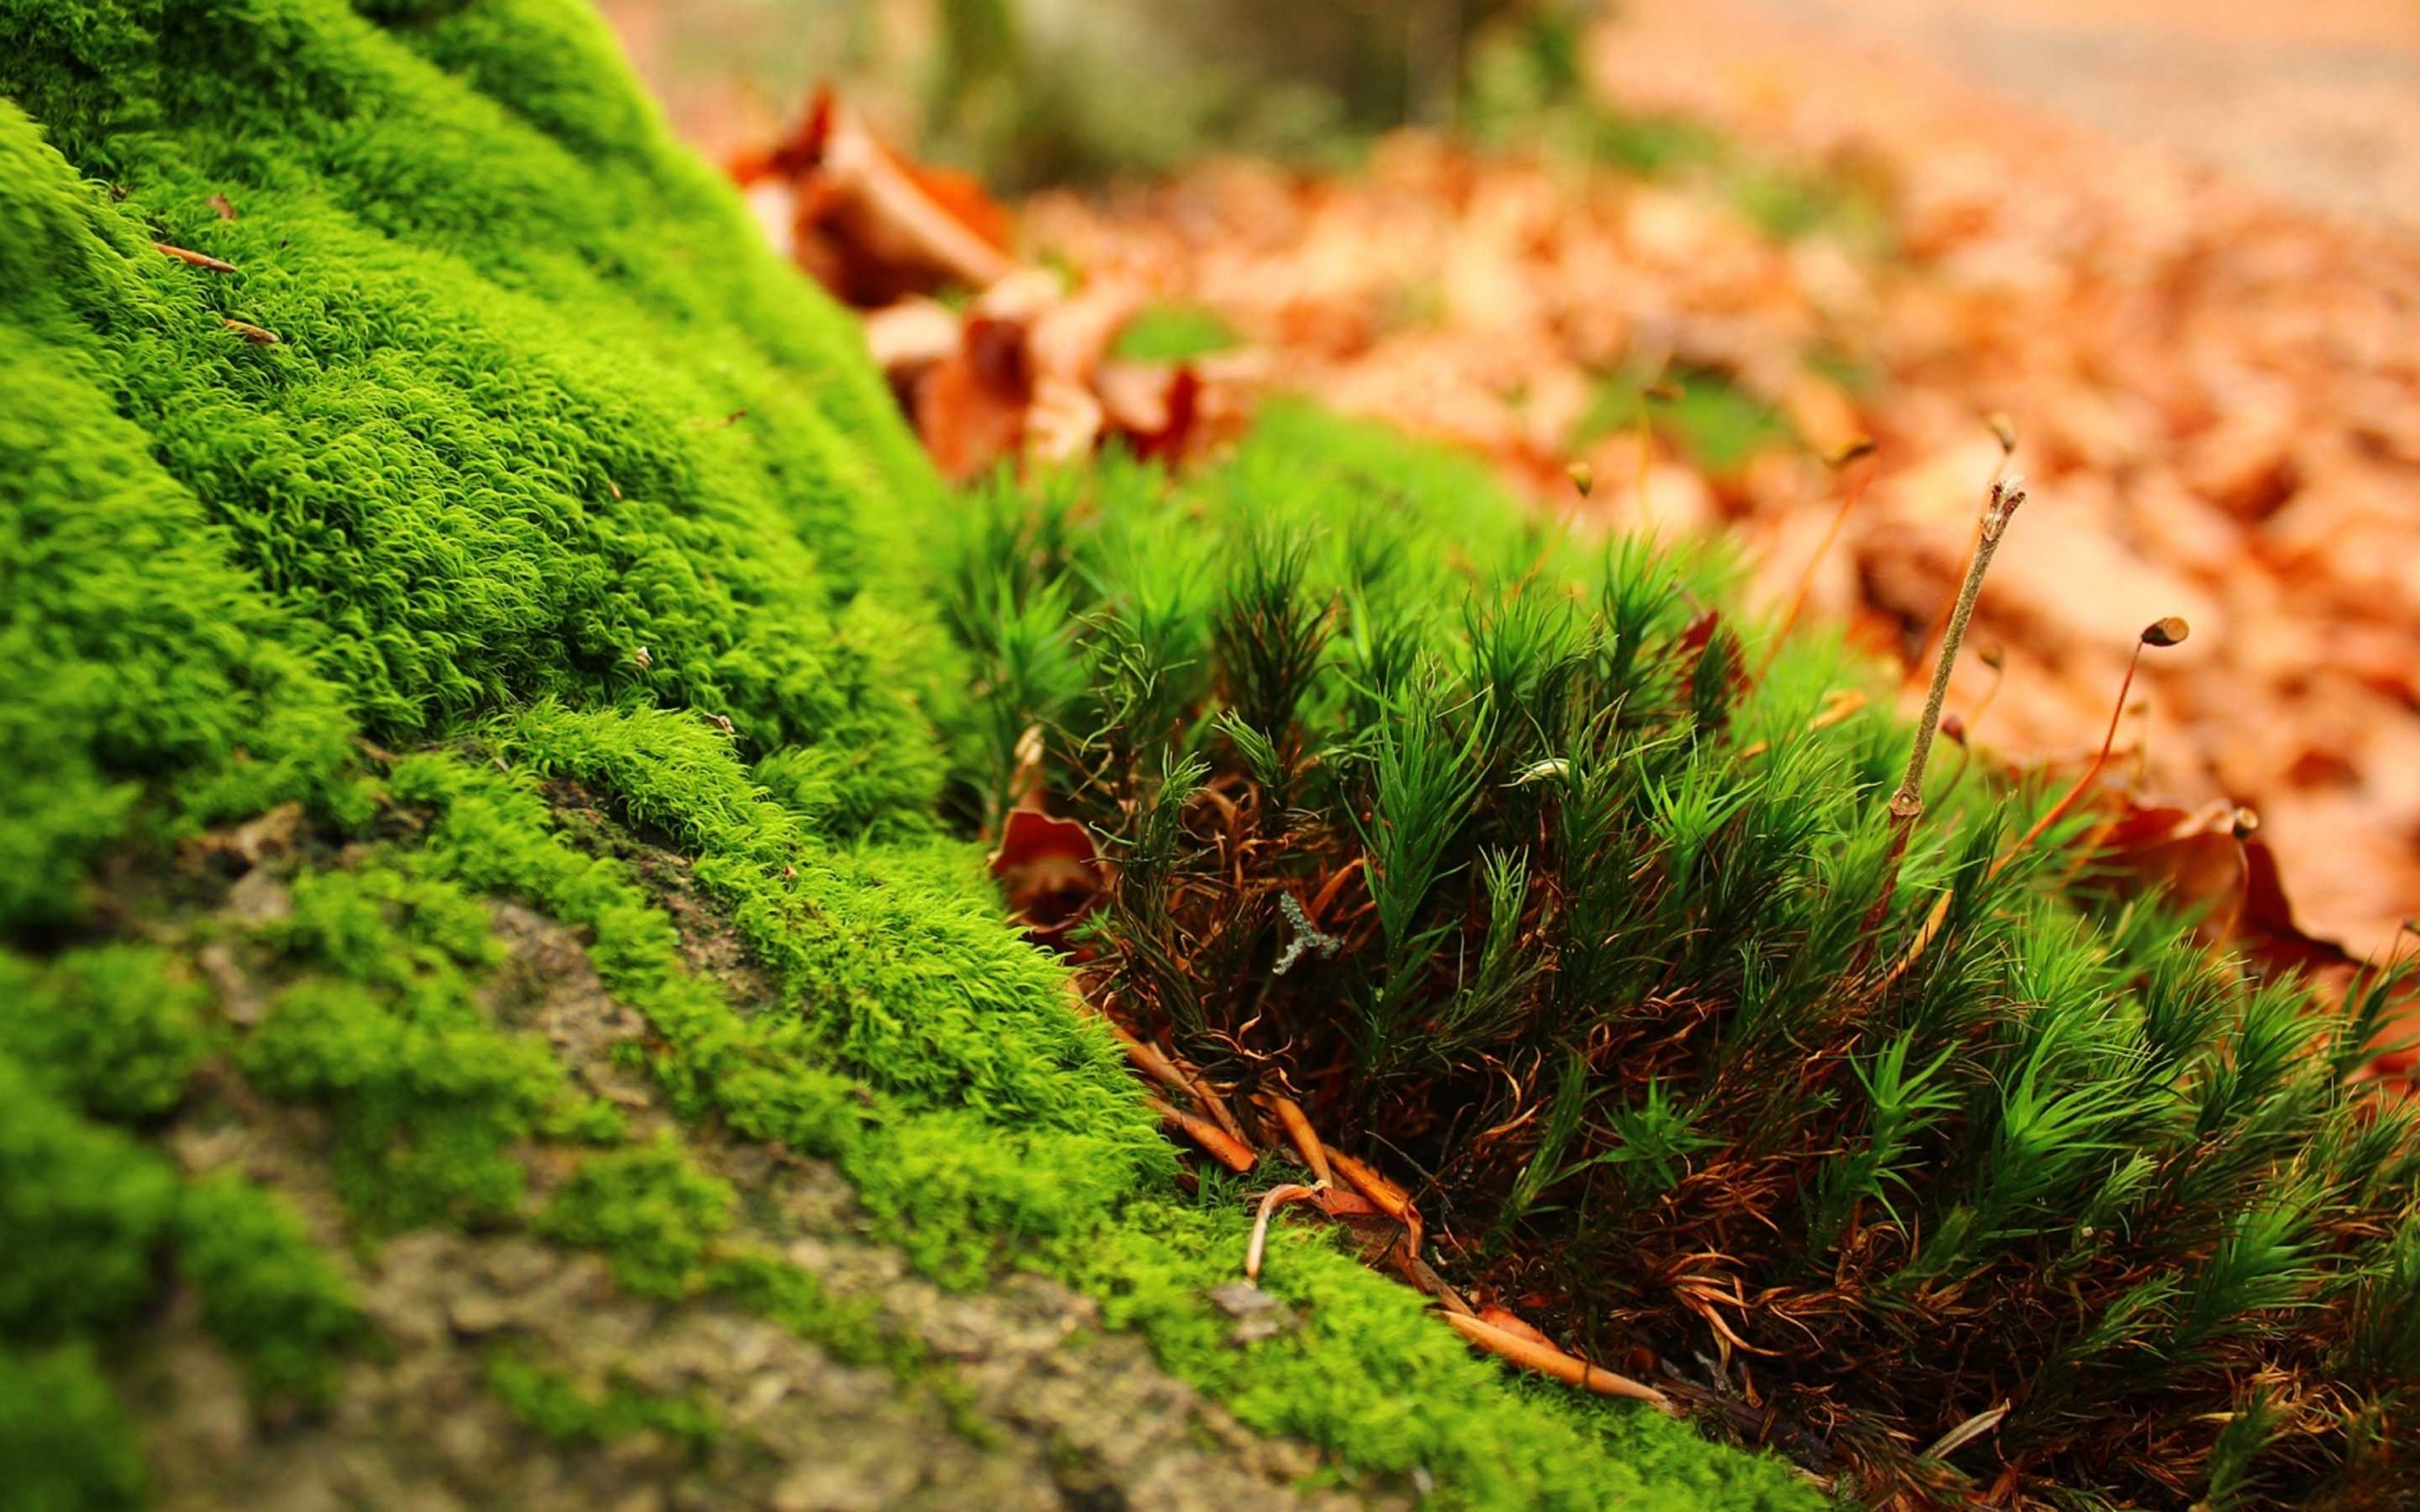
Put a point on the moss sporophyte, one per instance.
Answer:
(327, 651)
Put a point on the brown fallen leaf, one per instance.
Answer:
(1048, 868)
(871, 225)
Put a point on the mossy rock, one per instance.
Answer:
(474, 537)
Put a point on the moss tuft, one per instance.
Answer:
(67, 1444)
(557, 1407)
(117, 1028)
(654, 1214)
(269, 1294)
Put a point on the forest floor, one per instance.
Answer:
(2176, 245)
(2214, 386)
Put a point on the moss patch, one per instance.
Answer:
(552, 473)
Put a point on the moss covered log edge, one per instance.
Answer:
(498, 457)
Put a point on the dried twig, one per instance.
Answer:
(1306, 1142)
(1392, 1200)
(196, 259)
(1547, 1360)
(2168, 632)
(1291, 1192)
(1907, 804)
(1229, 1150)
(1155, 1063)
(1966, 1433)
(1846, 457)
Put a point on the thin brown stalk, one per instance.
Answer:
(1393, 1200)
(1223, 1147)
(2004, 431)
(1155, 1063)
(2168, 632)
(1277, 1195)
(1907, 804)
(1853, 491)
(194, 259)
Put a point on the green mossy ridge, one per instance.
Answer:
(1372, 1375)
(116, 1028)
(268, 1294)
(385, 1031)
(503, 298)
(653, 1213)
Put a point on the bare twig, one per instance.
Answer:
(1291, 1192)
(1907, 804)
(1853, 489)
(1229, 1150)
(1547, 1360)
(194, 259)
(1305, 1143)
(1392, 1200)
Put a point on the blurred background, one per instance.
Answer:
(1694, 248)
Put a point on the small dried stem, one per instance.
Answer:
(1305, 1143)
(1155, 1063)
(1277, 1195)
(1391, 1199)
(1228, 1151)
(194, 259)
(1547, 1360)
(1907, 804)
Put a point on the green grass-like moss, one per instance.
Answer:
(1624, 964)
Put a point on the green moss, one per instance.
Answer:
(116, 1027)
(66, 1445)
(86, 1209)
(1172, 333)
(776, 1290)
(491, 501)
(385, 1031)
(506, 306)
(1369, 1375)
(557, 1407)
(269, 1295)
(1720, 425)
(653, 1212)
